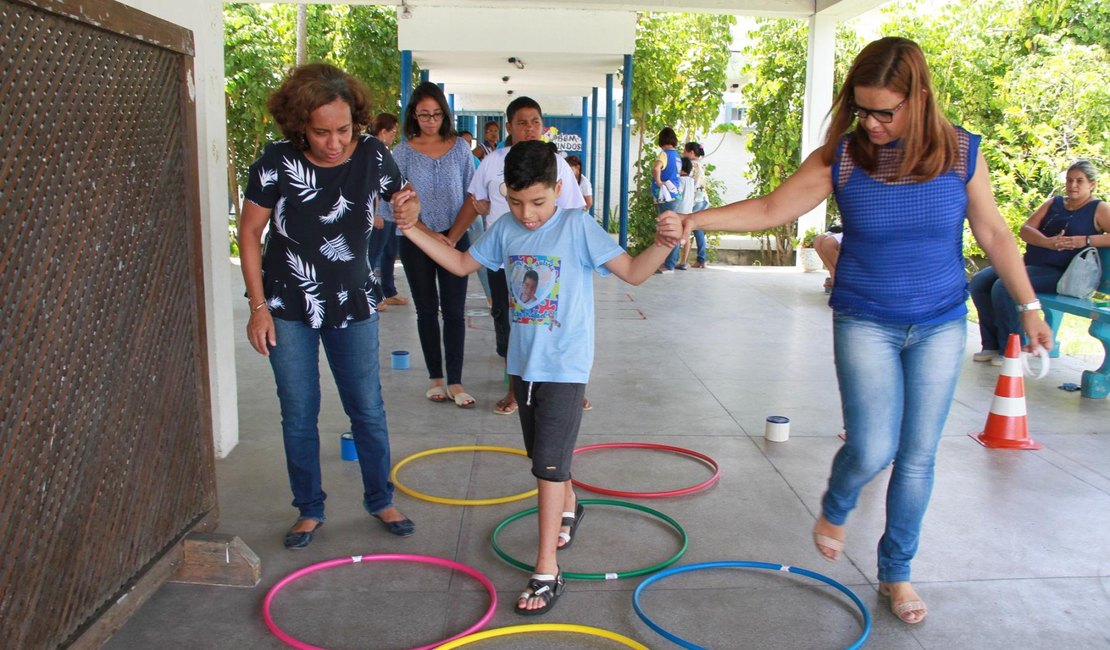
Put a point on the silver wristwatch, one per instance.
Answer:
(1029, 306)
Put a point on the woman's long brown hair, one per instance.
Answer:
(928, 143)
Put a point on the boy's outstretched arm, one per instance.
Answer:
(634, 270)
(406, 213)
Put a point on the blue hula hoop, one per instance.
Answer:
(744, 565)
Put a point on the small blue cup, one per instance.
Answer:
(347, 446)
(400, 360)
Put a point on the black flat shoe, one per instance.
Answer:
(402, 528)
(298, 540)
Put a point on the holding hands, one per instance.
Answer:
(669, 229)
(406, 208)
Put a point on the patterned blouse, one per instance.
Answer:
(314, 267)
(440, 182)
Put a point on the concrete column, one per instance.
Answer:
(818, 101)
(626, 142)
(593, 145)
(585, 131)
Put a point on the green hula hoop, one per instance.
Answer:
(595, 576)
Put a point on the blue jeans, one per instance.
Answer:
(896, 386)
(672, 258)
(699, 235)
(998, 316)
(352, 354)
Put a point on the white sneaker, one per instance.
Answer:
(997, 360)
(984, 355)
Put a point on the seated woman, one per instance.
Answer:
(828, 249)
(1054, 234)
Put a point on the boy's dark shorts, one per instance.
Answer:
(550, 415)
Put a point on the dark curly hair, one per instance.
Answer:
(309, 87)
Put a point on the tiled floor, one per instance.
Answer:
(1015, 551)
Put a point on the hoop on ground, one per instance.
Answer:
(613, 575)
(745, 565)
(385, 557)
(457, 502)
(651, 495)
(544, 627)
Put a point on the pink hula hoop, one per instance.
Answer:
(651, 495)
(384, 557)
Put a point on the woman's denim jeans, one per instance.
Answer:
(352, 354)
(672, 258)
(896, 386)
(998, 315)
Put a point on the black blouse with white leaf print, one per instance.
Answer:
(314, 268)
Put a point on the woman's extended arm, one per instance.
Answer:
(798, 194)
(997, 241)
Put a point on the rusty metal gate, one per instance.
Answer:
(105, 428)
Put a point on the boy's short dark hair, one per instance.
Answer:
(533, 275)
(519, 103)
(687, 165)
(465, 132)
(529, 163)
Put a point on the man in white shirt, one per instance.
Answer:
(487, 197)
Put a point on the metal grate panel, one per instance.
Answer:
(105, 440)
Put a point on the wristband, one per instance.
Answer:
(1029, 306)
(1088, 241)
(258, 306)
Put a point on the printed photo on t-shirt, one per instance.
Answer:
(534, 290)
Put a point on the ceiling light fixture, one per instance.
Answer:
(406, 12)
(517, 62)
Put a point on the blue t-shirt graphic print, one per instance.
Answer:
(534, 290)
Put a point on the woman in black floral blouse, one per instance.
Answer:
(316, 189)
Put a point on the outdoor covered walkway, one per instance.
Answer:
(1015, 552)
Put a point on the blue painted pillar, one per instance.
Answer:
(450, 101)
(610, 109)
(406, 79)
(626, 141)
(425, 75)
(593, 146)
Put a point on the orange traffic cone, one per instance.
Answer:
(1006, 425)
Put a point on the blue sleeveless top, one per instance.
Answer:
(901, 261)
(1061, 221)
(669, 171)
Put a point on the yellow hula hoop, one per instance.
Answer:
(457, 502)
(543, 627)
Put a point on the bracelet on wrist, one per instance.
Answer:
(258, 306)
(1029, 306)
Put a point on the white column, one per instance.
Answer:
(818, 100)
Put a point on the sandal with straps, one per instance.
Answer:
(572, 519)
(544, 586)
(905, 609)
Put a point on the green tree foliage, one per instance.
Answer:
(775, 95)
(678, 78)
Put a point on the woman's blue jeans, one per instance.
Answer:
(352, 354)
(896, 386)
(998, 315)
(672, 258)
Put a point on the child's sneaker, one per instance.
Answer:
(984, 355)
(680, 267)
(997, 360)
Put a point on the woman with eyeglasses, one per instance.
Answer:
(905, 179)
(438, 164)
(1053, 234)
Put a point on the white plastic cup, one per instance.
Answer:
(777, 429)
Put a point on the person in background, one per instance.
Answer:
(583, 183)
(664, 184)
(685, 203)
(827, 246)
(491, 134)
(694, 152)
(1054, 234)
(384, 240)
(438, 164)
(905, 180)
(559, 250)
(316, 189)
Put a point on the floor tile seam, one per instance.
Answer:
(1045, 459)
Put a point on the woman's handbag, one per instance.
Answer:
(1082, 276)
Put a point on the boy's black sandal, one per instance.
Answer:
(572, 519)
(545, 586)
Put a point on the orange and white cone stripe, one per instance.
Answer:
(1007, 426)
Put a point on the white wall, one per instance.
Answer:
(205, 19)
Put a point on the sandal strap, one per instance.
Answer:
(564, 536)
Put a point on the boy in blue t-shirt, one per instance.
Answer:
(550, 255)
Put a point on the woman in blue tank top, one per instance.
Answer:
(1054, 234)
(904, 178)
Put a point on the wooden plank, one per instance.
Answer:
(216, 559)
(121, 19)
